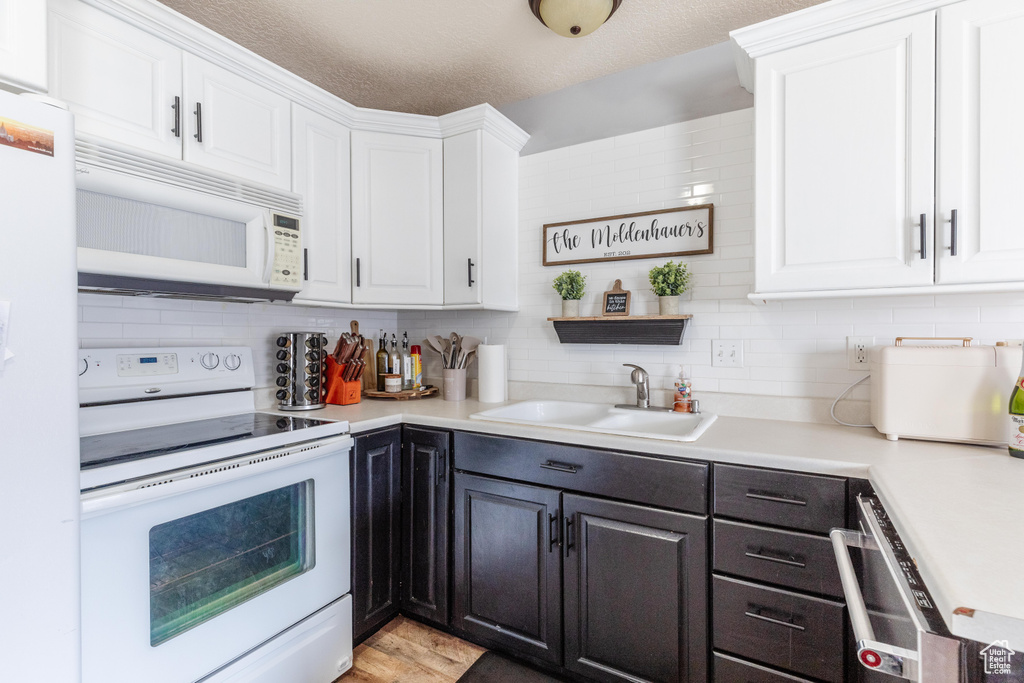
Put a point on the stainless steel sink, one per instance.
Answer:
(605, 419)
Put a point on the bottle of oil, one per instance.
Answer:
(382, 360)
(395, 358)
(407, 370)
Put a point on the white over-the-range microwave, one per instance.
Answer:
(160, 226)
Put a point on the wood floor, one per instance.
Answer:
(406, 651)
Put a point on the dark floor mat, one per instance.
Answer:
(493, 667)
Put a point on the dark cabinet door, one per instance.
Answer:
(635, 592)
(507, 566)
(376, 531)
(425, 487)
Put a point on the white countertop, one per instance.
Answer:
(959, 509)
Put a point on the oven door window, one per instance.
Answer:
(203, 565)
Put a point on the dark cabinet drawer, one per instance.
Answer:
(794, 632)
(785, 558)
(675, 484)
(808, 502)
(731, 670)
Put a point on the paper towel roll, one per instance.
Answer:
(493, 387)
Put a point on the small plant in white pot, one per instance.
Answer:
(668, 282)
(570, 286)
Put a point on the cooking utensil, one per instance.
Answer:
(468, 345)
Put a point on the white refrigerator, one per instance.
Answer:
(39, 495)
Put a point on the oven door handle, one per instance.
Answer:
(872, 654)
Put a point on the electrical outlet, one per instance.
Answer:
(857, 351)
(726, 354)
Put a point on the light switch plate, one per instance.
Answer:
(726, 354)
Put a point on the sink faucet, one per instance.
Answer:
(641, 379)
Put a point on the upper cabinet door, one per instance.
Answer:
(980, 141)
(845, 161)
(23, 44)
(120, 82)
(234, 125)
(397, 219)
(320, 164)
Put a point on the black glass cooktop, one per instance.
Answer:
(150, 442)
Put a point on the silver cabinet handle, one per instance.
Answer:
(952, 233)
(177, 116)
(924, 235)
(775, 499)
(777, 622)
(778, 560)
(199, 122)
(891, 659)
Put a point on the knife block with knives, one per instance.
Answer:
(346, 368)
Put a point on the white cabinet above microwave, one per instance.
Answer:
(125, 84)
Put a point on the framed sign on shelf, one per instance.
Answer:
(616, 300)
(682, 231)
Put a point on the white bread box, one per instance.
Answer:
(943, 393)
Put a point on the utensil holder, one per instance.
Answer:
(340, 392)
(453, 384)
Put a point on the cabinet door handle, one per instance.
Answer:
(952, 232)
(177, 116)
(559, 467)
(775, 499)
(552, 531)
(357, 272)
(777, 622)
(470, 269)
(442, 462)
(924, 235)
(779, 560)
(568, 535)
(199, 122)
(305, 264)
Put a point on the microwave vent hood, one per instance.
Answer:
(171, 289)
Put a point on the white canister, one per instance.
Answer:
(392, 383)
(493, 383)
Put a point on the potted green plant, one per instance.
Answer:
(569, 286)
(668, 282)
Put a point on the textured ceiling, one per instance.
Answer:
(435, 57)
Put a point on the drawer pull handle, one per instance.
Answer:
(777, 622)
(559, 467)
(779, 560)
(775, 499)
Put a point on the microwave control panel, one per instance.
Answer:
(288, 257)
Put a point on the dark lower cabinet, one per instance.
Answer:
(630, 580)
(507, 566)
(635, 592)
(425, 507)
(376, 516)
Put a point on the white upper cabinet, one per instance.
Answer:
(980, 141)
(854, 130)
(320, 164)
(397, 219)
(844, 164)
(481, 226)
(126, 85)
(120, 82)
(23, 44)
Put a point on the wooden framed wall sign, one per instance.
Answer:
(683, 231)
(616, 300)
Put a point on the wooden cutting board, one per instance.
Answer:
(369, 357)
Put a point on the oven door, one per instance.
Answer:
(186, 572)
(896, 626)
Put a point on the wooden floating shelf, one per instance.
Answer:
(651, 330)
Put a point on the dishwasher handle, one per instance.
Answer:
(873, 655)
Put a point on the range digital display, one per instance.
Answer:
(149, 359)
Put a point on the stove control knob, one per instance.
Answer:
(283, 341)
(282, 395)
(232, 362)
(282, 381)
(83, 367)
(209, 360)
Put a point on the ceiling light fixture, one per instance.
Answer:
(574, 18)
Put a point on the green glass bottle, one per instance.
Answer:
(382, 360)
(1017, 417)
